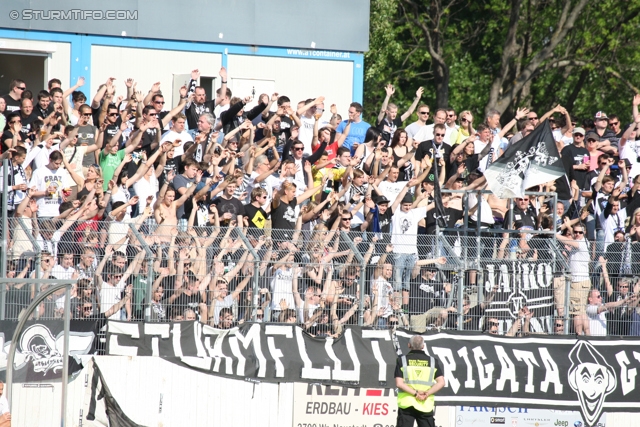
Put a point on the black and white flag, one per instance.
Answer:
(531, 161)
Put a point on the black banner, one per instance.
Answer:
(261, 352)
(520, 284)
(41, 346)
(531, 161)
(593, 376)
(550, 372)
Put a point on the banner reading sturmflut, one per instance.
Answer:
(531, 161)
(594, 376)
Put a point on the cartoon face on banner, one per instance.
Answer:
(38, 346)
(591, 377)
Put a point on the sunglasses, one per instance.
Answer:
(450, 115)
(113, 114)
(424, 112)
(159, 102)
(346, 219)
(86, 115)
(439, 134)
(533, 118)
(576, 135)
(15, 121)
(559, 325)
(21, 87)
(298, 148)
(463, 120)
(578, 232)
(591, 140)
(153, 114)
(614, 123)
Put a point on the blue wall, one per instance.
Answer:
(81, 52)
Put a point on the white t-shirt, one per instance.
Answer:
(144, 189)
(172, 135)
(268, 185)
(305, 134)
(61, 273)
(225, 303)
(281, 288)
(52, 183)
(425, 133)
(385, 290)
(404, 229)
(494, 152)
(612, 224)
(110, 296)
(4, 405)
(390, 190)
(579, 262)
(597, 322)
(414, 128)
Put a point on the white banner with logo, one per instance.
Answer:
(483, 416)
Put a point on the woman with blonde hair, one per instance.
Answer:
(633, 229)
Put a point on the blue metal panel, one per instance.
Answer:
(81, 52)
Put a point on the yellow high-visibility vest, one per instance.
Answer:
(419, 374)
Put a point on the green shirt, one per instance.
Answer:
(109, 163)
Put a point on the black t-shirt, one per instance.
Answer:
(39, 111)
(425, 147)
(26, 125)
(185, 301)
(572, 155)
(284, 216)
(388, 128)
(425, 294)
(12, 104)
(7, 135)
(257, 216)
(526, 218)
(232, 206)
(111, 131)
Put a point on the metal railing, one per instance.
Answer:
(496, 280)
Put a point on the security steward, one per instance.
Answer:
(418, 378)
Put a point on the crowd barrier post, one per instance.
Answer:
(149, 290)
(34, 243)
(5, 234)
(256, 272)
(361, 278)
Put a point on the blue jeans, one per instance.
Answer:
(403, 264)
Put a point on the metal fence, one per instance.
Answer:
(487, 279)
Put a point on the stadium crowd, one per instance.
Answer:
(274, 213)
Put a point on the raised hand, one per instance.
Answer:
(389, 89)
(419, 92)
(195, 74)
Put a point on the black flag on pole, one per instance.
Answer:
(531, 161)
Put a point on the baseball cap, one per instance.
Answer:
(381, 200)
(431, 178)
(592, 135)
(601, 115)
(408, 198)
(579, 130)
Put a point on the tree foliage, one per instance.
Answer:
(481, 54)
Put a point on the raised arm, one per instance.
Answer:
(390, 90)
(413, 105)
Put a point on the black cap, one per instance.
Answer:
(408, 198)
(381, 200)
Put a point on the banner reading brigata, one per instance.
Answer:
(592, 376)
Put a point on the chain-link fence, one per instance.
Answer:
(513, 280)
